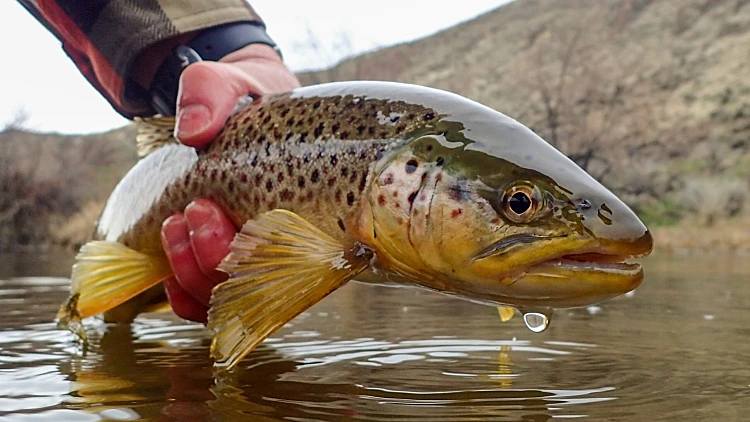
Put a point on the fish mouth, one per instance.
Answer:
(563, 272)
(592, 262)
(576, 280)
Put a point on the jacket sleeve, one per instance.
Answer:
(104, 37)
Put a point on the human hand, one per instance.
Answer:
(197, 240)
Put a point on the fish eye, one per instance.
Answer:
(520, 204)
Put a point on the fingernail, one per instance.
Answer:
(191, 120)
(200, 216)
(174, 233)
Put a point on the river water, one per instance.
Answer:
(678, 348)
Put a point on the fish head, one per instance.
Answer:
(486, 209)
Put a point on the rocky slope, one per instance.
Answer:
(650, 96)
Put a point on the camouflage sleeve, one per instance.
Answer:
(104, 38)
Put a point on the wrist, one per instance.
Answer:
(227, 43)
(253, 52)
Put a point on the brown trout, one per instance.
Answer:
(374, 181)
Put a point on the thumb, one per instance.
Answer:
(208, 92)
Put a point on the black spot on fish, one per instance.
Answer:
(301, 181)
(331, 181)
(286, 195)
(280, 177)
(319, 130)
(350, 198)
(290, 121)
(394, 119)
(412, 197)
(429, 116)
(344, 171)
(362, 182)
(334, 159)
(440, 161)
(285, 112)
(341, 225)
(315, 176)
(269, 185)
(316, 104)
(411, 166)
(335, 128)
(344, 135)
(361, 129)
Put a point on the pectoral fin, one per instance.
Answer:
(279, 266)
(154, 133)
(105, 275)
(506, 313)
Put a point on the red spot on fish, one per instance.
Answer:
(455, 213)
(381, 200)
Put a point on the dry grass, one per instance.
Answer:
(714, 198)
(725, 236)
(73, 232)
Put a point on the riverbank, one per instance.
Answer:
(730, 236)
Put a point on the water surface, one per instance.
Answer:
(678, 348)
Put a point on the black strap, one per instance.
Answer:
(211, 44)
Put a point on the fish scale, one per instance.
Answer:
(369, 181)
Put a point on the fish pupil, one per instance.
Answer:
(519, 203)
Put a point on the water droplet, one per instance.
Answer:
(536, 321)
(593, 310)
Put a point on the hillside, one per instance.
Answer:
(650, 96)
(47, 179)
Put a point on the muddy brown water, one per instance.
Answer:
(678, 348)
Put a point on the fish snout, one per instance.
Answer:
(616, 226)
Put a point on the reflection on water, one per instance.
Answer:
(675, 350)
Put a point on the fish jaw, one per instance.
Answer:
(580, 279)
(585, 265)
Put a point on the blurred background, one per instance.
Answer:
(650, 97)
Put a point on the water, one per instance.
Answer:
(676, 349)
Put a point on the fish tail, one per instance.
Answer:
(105, 276)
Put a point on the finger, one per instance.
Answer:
(176, 241)
(208, 92)
(184, 304)
(211, 232)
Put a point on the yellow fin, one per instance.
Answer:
(105, 275)
(279, 266)
(506, 313)
(154, 133)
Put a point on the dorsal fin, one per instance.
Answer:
(153, 133)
